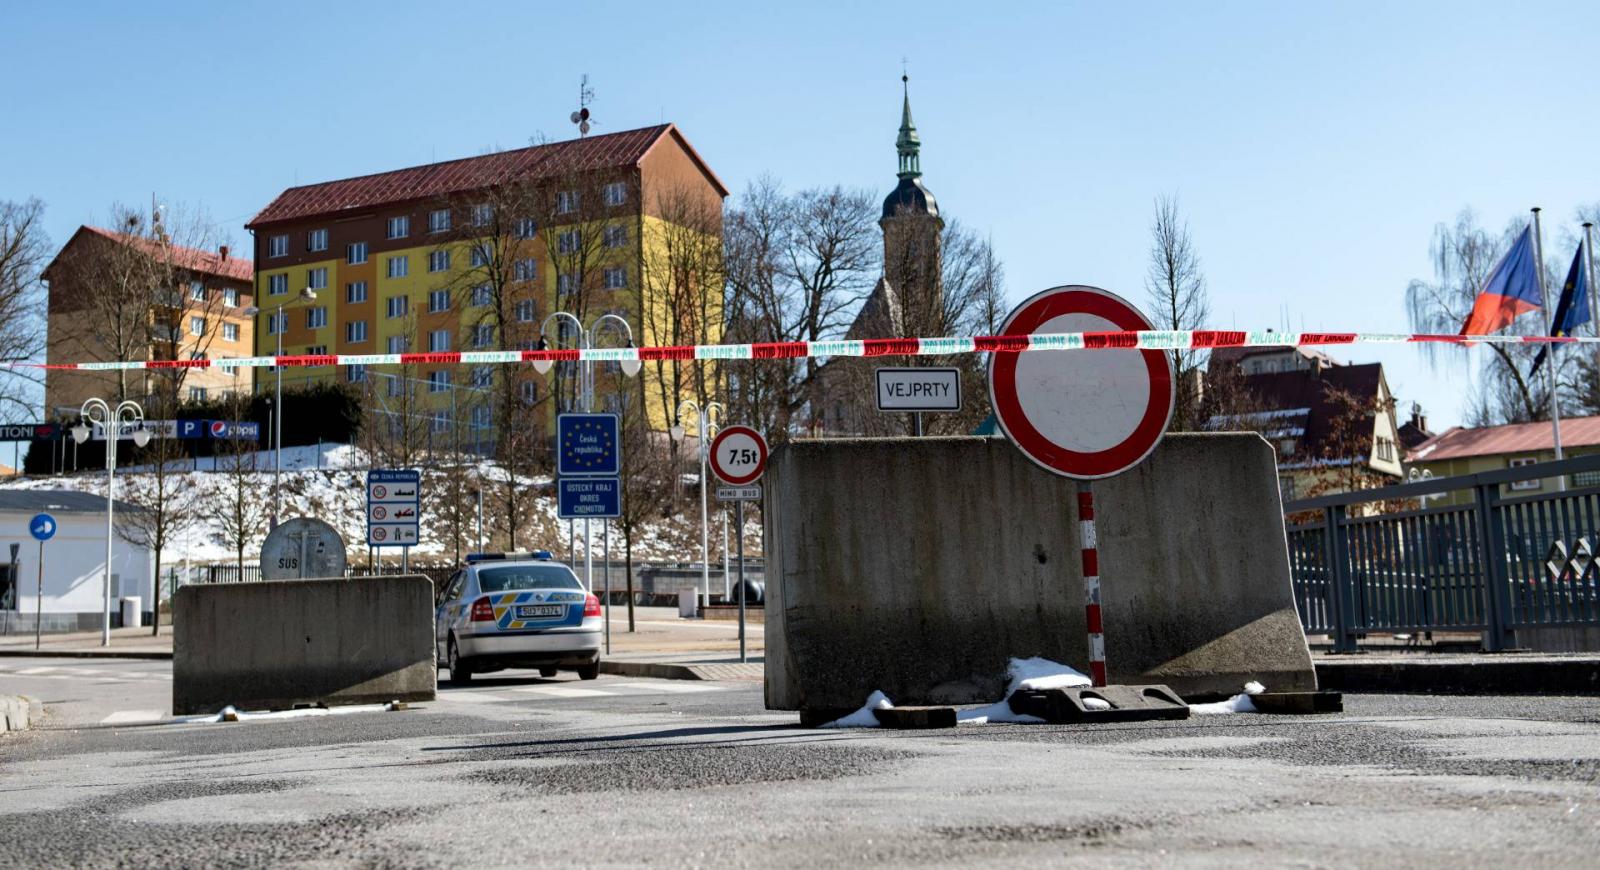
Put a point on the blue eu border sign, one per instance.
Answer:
(587, 445)
(597, 498)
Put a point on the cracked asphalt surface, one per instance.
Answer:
(709, 778)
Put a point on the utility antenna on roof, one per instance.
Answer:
(585, 97)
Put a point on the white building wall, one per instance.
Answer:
(74, 564)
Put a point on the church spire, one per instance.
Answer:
(908, 144)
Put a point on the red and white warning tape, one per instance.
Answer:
(1090, 543)
(1154, 339)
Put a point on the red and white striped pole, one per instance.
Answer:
(1091, 583)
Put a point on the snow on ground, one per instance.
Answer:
(336, 493)
(1237, 704)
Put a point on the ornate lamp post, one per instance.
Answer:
(112, 419)
(706, 420)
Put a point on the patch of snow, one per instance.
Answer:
(302, 713)
(1240, 703)
(864, 717)
(1032, 673)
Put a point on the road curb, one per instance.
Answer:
(19, 712)
(83, 654)
(649, 670)
(1579, 676)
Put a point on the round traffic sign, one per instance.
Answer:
(739, 455)
(42, 527)
(1082, 414)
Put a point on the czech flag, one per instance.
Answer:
(1572, 310)
(1511, 291)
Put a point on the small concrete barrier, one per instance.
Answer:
(920, 566)
(19, 712)
(275, 645)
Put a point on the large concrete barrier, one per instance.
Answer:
(920, 566)
(273, 645)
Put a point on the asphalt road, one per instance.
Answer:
(626, 772)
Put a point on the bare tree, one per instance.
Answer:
(241, 513)
(24, 249)
(163, 493)
(1176, 289)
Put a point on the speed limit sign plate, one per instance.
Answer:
(739, 455)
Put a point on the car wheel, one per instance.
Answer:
(547, 673)
(589, 671)
(460, 674)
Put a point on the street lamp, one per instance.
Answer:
(584, 338)
(706, 420)
(97, 411)
(279, 326)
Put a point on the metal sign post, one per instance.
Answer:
(739, 457)
(43, 528)
(1083, 416)
(588, 469)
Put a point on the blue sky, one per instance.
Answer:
(1313, 149)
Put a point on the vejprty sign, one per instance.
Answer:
(919, 389)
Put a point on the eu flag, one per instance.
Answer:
(1511, 291)
(1572, 311)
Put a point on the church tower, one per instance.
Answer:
(912, 258)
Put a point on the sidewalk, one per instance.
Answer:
(126, 643)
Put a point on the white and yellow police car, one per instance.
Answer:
(517, 610)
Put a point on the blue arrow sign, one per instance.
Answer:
(42, 527)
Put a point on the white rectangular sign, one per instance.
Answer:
(739, 493)
(919, 389)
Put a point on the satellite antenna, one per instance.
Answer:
(585, 96)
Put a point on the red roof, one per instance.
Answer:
(1459, 442)
(192, 259)
(1311, 391)
(610, 150)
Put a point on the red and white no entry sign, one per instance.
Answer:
(739, 455)
(1081, 415)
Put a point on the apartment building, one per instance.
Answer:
(132, 295)
(474, 255)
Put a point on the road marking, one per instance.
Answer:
(472, 697)
(31, 671)
(666, 687)
(563, 692)
(125, 717)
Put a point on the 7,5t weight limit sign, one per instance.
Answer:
(739, 455)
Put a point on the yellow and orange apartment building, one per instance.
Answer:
(392, 259)
(206, 313)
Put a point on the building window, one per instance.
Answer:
(316, 317)
(317, 350)
(397, 267)
(197, 291)
(616, 278)
(439, 261)
(482, 377)
(197, 394)
(439, 381)
(482, 294)
(355, 374)
(439, 341)
(441, 419)
(275, 322)
(1385, 449)
(356, 253)
(398, 305)
(530, 392)
(483, 334)
(566, 284)
(399, 227)
(355, 331)
(1286, 447)
(317, 240)
(567, 242)
(1522, 485)
(439, 300)
(480, 256)
(566, 202)
(394, 387)
(230, 297)
(481, 417)
(1586, 478)
(616, 236)
(278, 246)
(525, 269)
(398, 344)
(317, 279)
(482, 215)
(230, 332)
(439, 220)
(527, 228)
(197, 326)
(277, 285)
(615, 193)
(527, 311)
(355, 291)
(1286, 489)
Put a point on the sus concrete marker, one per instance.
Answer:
(272, 645)
(921, 566)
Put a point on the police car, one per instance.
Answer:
(517, 610)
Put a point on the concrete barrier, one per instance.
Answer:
(920, 566)
(19, 712)
(273, 645)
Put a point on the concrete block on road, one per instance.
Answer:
(273, 645)
(19, 712)
(919, 567)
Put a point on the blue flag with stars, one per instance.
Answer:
(1572, 311)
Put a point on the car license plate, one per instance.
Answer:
(526, 611)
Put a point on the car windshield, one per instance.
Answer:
(509, 577)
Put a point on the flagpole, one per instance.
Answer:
(1550, 370)
(1594, 294)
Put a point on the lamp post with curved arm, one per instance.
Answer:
(706, 420)
(112, 419)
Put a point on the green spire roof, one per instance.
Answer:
(907, 144)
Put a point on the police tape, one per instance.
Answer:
(1150, 339)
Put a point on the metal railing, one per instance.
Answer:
(1494, 564)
